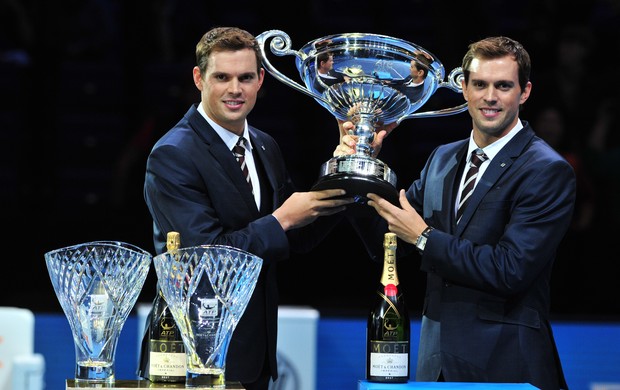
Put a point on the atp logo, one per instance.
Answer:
(208, 308)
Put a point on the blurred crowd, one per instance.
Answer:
(86, 87)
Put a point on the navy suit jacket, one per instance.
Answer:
(413, 93)
(488, 278)
(321, 83)
(194, 186)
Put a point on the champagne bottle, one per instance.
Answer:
(388, 328)
(167, 360)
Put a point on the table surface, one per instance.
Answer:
(137, 384)
(366, 385)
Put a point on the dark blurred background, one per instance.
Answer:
(87, 87)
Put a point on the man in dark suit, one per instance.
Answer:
(195, 186)
(326, 76)
(413, 87)
(486, 308)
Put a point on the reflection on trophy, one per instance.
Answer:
(97, 285)
(369, 86)
(207, 289)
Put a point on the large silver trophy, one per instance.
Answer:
(97, 285)
(207, 289)
(370, 86)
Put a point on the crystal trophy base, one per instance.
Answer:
(94, 372)
(213, 379)
(358, 175)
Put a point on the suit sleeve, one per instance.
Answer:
(195, 197)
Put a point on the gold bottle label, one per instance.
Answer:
(173, 241)
(389, 276)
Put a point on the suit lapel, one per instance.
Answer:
(222, 157)
(453, 185)
(264, 155)
(498, 166)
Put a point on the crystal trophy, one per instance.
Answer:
(369, 86)
(207, 289)
(97, 284)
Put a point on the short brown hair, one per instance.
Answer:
(423, 62)
(225, 39)
(496, 47)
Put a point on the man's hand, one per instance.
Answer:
(405, 222)
(302, 208)
(348, 141)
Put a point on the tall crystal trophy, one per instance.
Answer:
(370, 86)
(97, 284)
(207, 289)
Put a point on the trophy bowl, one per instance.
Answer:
(207, 289)
(97, 284)
(370, 85)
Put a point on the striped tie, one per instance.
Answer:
(239, 152)
(477, 158)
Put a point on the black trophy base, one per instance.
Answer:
(358, 186)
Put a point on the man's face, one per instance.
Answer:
(416, 73)
(229, 87)
(493, 95)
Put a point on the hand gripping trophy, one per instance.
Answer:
(369, 84)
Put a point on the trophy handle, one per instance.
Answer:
(454, 83)
(281, 46)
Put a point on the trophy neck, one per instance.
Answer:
(365, 131)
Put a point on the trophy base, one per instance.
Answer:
(358, 175)
(212, 380)
(94, 372)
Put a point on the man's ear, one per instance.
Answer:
(464, 88)
(261, 77)
(197, 76)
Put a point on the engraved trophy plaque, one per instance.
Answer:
(369, 85)
(207, 289)
(97, 285)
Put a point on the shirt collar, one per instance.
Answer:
(229, 138)
(493, 149)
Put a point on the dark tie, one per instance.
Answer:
(477, 158)
(239, 152)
